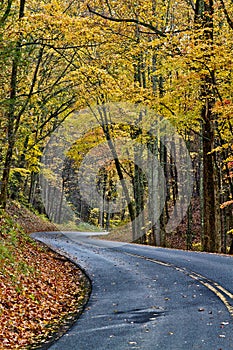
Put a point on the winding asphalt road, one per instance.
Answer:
(147, 297)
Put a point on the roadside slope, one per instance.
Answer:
(41, 292)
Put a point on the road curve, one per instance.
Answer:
(147, 297)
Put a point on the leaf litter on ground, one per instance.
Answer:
(41, 293)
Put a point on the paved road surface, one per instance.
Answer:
(148, 298)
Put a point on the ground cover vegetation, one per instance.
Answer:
(41, 292)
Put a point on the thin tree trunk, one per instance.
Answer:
(105, 127)
(204, 18)
(13, 120)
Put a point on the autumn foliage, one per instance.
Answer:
(40, 291)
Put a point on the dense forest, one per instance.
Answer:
(120, 114)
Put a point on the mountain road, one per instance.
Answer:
(147, 297)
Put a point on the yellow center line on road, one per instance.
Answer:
(158, 262)
(230, 295)
(225, 291)
(215, 291)
(214, 287)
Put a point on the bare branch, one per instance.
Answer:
(229, 21)
(168, 108)
(128, 20)
(191, 3)
(7, 11)
(31, 88)
(68, 47)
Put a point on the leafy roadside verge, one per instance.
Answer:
(41, 292)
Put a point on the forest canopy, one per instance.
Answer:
(174, 58)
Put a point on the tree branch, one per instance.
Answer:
(33, 83)
(229, 21)
(7, 11)
(128, 20)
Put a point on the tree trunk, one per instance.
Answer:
(106, 130)
(204, 18)
(13, 120)
(209, 239)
